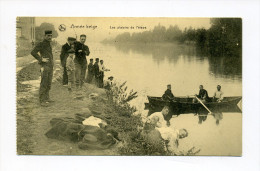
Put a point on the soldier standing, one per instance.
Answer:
(96, 72)
(46, 62)
(63, 57)
(81, 51)
(90, 71)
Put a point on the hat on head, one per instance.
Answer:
(91, 59)
(71, 51)
(71, 39)
(83, 35)
(48, 32)
(110, 77)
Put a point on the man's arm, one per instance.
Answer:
(221, 96)
(35, 52)
(87, 51)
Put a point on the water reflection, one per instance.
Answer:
(219, 66)
(218, 117)
(149, 68)
(202, 118)
(226, 66)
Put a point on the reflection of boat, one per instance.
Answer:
(182, 105)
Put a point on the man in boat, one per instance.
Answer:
(203, 95)
(218, 95)
(168, 93)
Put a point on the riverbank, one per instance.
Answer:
(33, 121)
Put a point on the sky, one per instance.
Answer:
(99, 28)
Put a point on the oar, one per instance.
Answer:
(203, 105)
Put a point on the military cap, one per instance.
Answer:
(110, 77)
(48, 32)
(71, 39)
(91, 59)
(71, 51)
(83, 35)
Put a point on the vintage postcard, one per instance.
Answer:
(129, 86)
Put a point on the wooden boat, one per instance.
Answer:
(182, 105)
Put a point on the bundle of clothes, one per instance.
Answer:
(91, 132)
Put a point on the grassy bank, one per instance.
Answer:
(33, 121)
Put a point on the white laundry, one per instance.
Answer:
(93, 121)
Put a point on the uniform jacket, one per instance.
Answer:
(45, 50)
(91, 68)
(96, 69)
(64, 54)
(168, 95)
(203, 93)
(81, 56)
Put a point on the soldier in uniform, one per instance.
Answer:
(81, 51)
(63, 57)
(168, 93)
(45, 59)
(90, 71)
(96, 72)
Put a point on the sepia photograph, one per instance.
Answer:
(129, 86)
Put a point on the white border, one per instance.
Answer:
(248, 10)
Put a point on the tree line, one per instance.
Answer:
(223, 38)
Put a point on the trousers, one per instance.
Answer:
(45, 85)
(89, 77)
(80, 73)
(65, 76)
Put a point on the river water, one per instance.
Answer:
(148, 68)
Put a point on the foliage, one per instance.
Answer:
(130, 126)
(223, 38)
(120, 98)
(40, 30)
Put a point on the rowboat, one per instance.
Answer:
(182, 105)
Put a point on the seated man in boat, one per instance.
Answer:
(203, 95)
(168, 93)
(218, 95)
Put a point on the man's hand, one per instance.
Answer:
(79, 50)
(168, 123)
(45, 60)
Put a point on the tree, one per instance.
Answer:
(173, 33)
(39, 31)
(225, 36)
(159, 33)
(201, 38)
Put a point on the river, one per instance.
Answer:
(148, 68)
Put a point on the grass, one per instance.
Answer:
(113, 106)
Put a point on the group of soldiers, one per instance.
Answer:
(73, 59)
